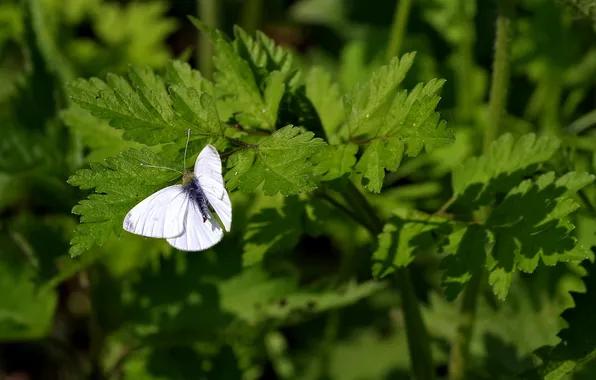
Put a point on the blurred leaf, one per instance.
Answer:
(26, 312)
(123, 31)
(180, 362)
(280, 162)
(96, 134)
(272, 230)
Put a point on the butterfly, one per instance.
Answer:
(182, 214)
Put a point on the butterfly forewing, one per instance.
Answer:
(208, 173)
(161, 215)
(198, 235)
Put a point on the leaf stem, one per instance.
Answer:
(208, 13)
(339, 206)
(500, 75)
(400, 20)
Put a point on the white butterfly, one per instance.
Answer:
(181, 214)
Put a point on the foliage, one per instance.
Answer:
(372, 235)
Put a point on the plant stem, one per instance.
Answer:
(251, 15)
(464, 65)
(500, 75)
(398, 28)
(418, 341)
(497, 107)
(208, 13)
(461, 343)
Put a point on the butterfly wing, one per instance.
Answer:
(208, 173)
(161, 215)
(198, 235)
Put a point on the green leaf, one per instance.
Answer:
(364, 102)
(178, 72)
(530, 226)
(378, 156)
(409, 124)
(527, 227)
(578, 341)
(280, 162)
(467, 255)
(239, 86)
(406, 233)
(334, 161)
(26, 312)
(274, 91)
(506, 162)
(119, 184)
(326, 98)
(145, 110)
(264, 56)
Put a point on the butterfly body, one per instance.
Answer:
(182, 213)
(197, 195)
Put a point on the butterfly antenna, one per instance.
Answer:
(160, 167)
(186, 148)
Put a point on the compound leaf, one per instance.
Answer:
(239, 85)
(530, 226)
(144, 109)
(408, 125)
(527, 227)
(119, 184)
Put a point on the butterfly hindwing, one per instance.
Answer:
(208, 173)
(198, 235)
(161, 215)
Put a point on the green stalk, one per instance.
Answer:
(464, 65)
(208, 13)
(418, 341)
(500, 77)
(251, 15)
(461, 343)
(497, 107)
(398, 28)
